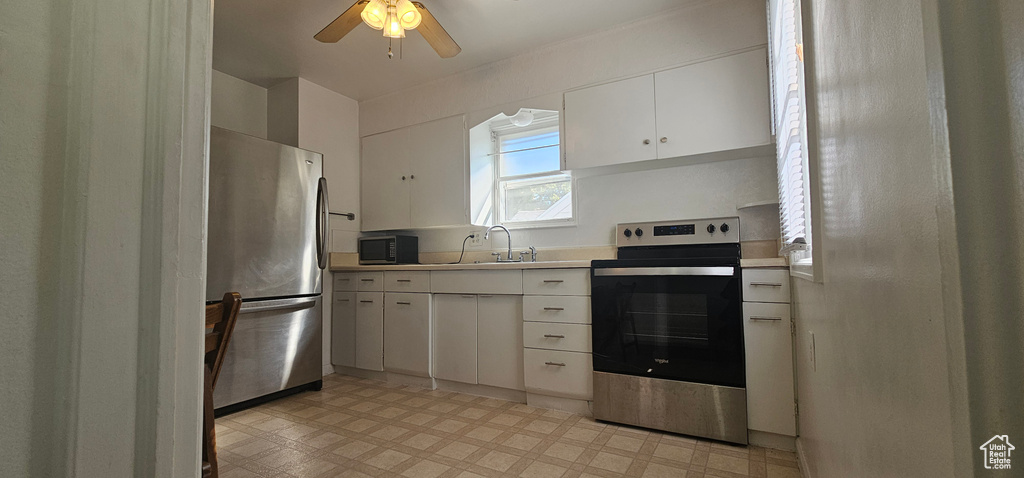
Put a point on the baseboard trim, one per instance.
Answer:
(327, 369)
(571, 405)
(360, 373)
(801, 458)
(482, 390)
(771, 440)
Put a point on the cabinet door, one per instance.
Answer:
(439, 173)
(370, 331)
(769, 348)
(455, 337)
(384, 194)
(500, 341)
(714, 105)
(407, 333)
(343, 329)
(610, 124)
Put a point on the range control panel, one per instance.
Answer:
(715, 230)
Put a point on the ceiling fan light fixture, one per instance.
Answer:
(392, 23)
(408, 14)
(374, 13)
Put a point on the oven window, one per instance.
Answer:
(665, 319)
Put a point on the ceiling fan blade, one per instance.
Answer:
(435, 35)
(343, 24)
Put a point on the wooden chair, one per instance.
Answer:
(220, 322)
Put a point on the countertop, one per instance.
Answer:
(576, 264)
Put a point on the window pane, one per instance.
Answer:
(531, 161)
(538, 200)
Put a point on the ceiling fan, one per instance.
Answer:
(394, 17)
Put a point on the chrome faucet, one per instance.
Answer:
(509, 234)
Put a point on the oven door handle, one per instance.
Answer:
(666, 271)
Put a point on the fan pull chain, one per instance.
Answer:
(390, 54)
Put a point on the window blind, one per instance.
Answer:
(790, 129)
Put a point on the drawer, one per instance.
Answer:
(766, 312)
(560, 374)
(345, 281)
(370, 281)
(556, 282)
(567, 337)
(766, 285)
(477, 282)
(407, 281)
(568, 309)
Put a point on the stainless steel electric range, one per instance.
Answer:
(668, 329)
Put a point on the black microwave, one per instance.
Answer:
(389, 250)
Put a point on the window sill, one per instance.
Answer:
(539, 225)
(803, 269)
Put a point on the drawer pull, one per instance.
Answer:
(766, 284)
(556, 364)
(404, 280)
(485, 296)
(468, 296)
(404, 303)
(761, 317)
(553, 281)
(554, 308)
(366, 301)
(551, 336)
(366, 280)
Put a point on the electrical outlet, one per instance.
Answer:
(814, 361)
(477, 240)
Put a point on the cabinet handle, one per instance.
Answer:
(366, 301)
(557, 364)
(664, 140)
(553, 281)
(403, 178)
(412, 176)
(647, 141)
(404, 303)
(366, 280)
(468, 296)
(550, 336)
(766, 284)
(554, 308)
(761, 317)
(404, 280)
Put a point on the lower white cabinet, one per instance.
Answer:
(343, 329)
(370, 331)
(455, 337)
(768, 339)
(500, 341)
(558, 373)
(407, 333)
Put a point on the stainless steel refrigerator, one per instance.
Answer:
(268, 242)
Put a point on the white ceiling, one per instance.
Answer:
(266, 41)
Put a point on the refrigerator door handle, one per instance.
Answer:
(322, 219)
(278, 304)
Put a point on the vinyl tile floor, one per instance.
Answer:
(359, 428)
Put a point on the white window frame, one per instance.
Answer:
(500, 181)
(804, 265)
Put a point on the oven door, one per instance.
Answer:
(675, 321)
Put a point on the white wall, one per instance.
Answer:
(608, 195)
(102, 250)
(35, 38)
(878, 401)
(238, 105)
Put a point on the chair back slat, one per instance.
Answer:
(220, 322)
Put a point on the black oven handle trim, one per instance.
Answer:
(666, 271)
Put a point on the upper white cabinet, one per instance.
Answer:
(415, 176)
(714, 105)
(611, 123)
